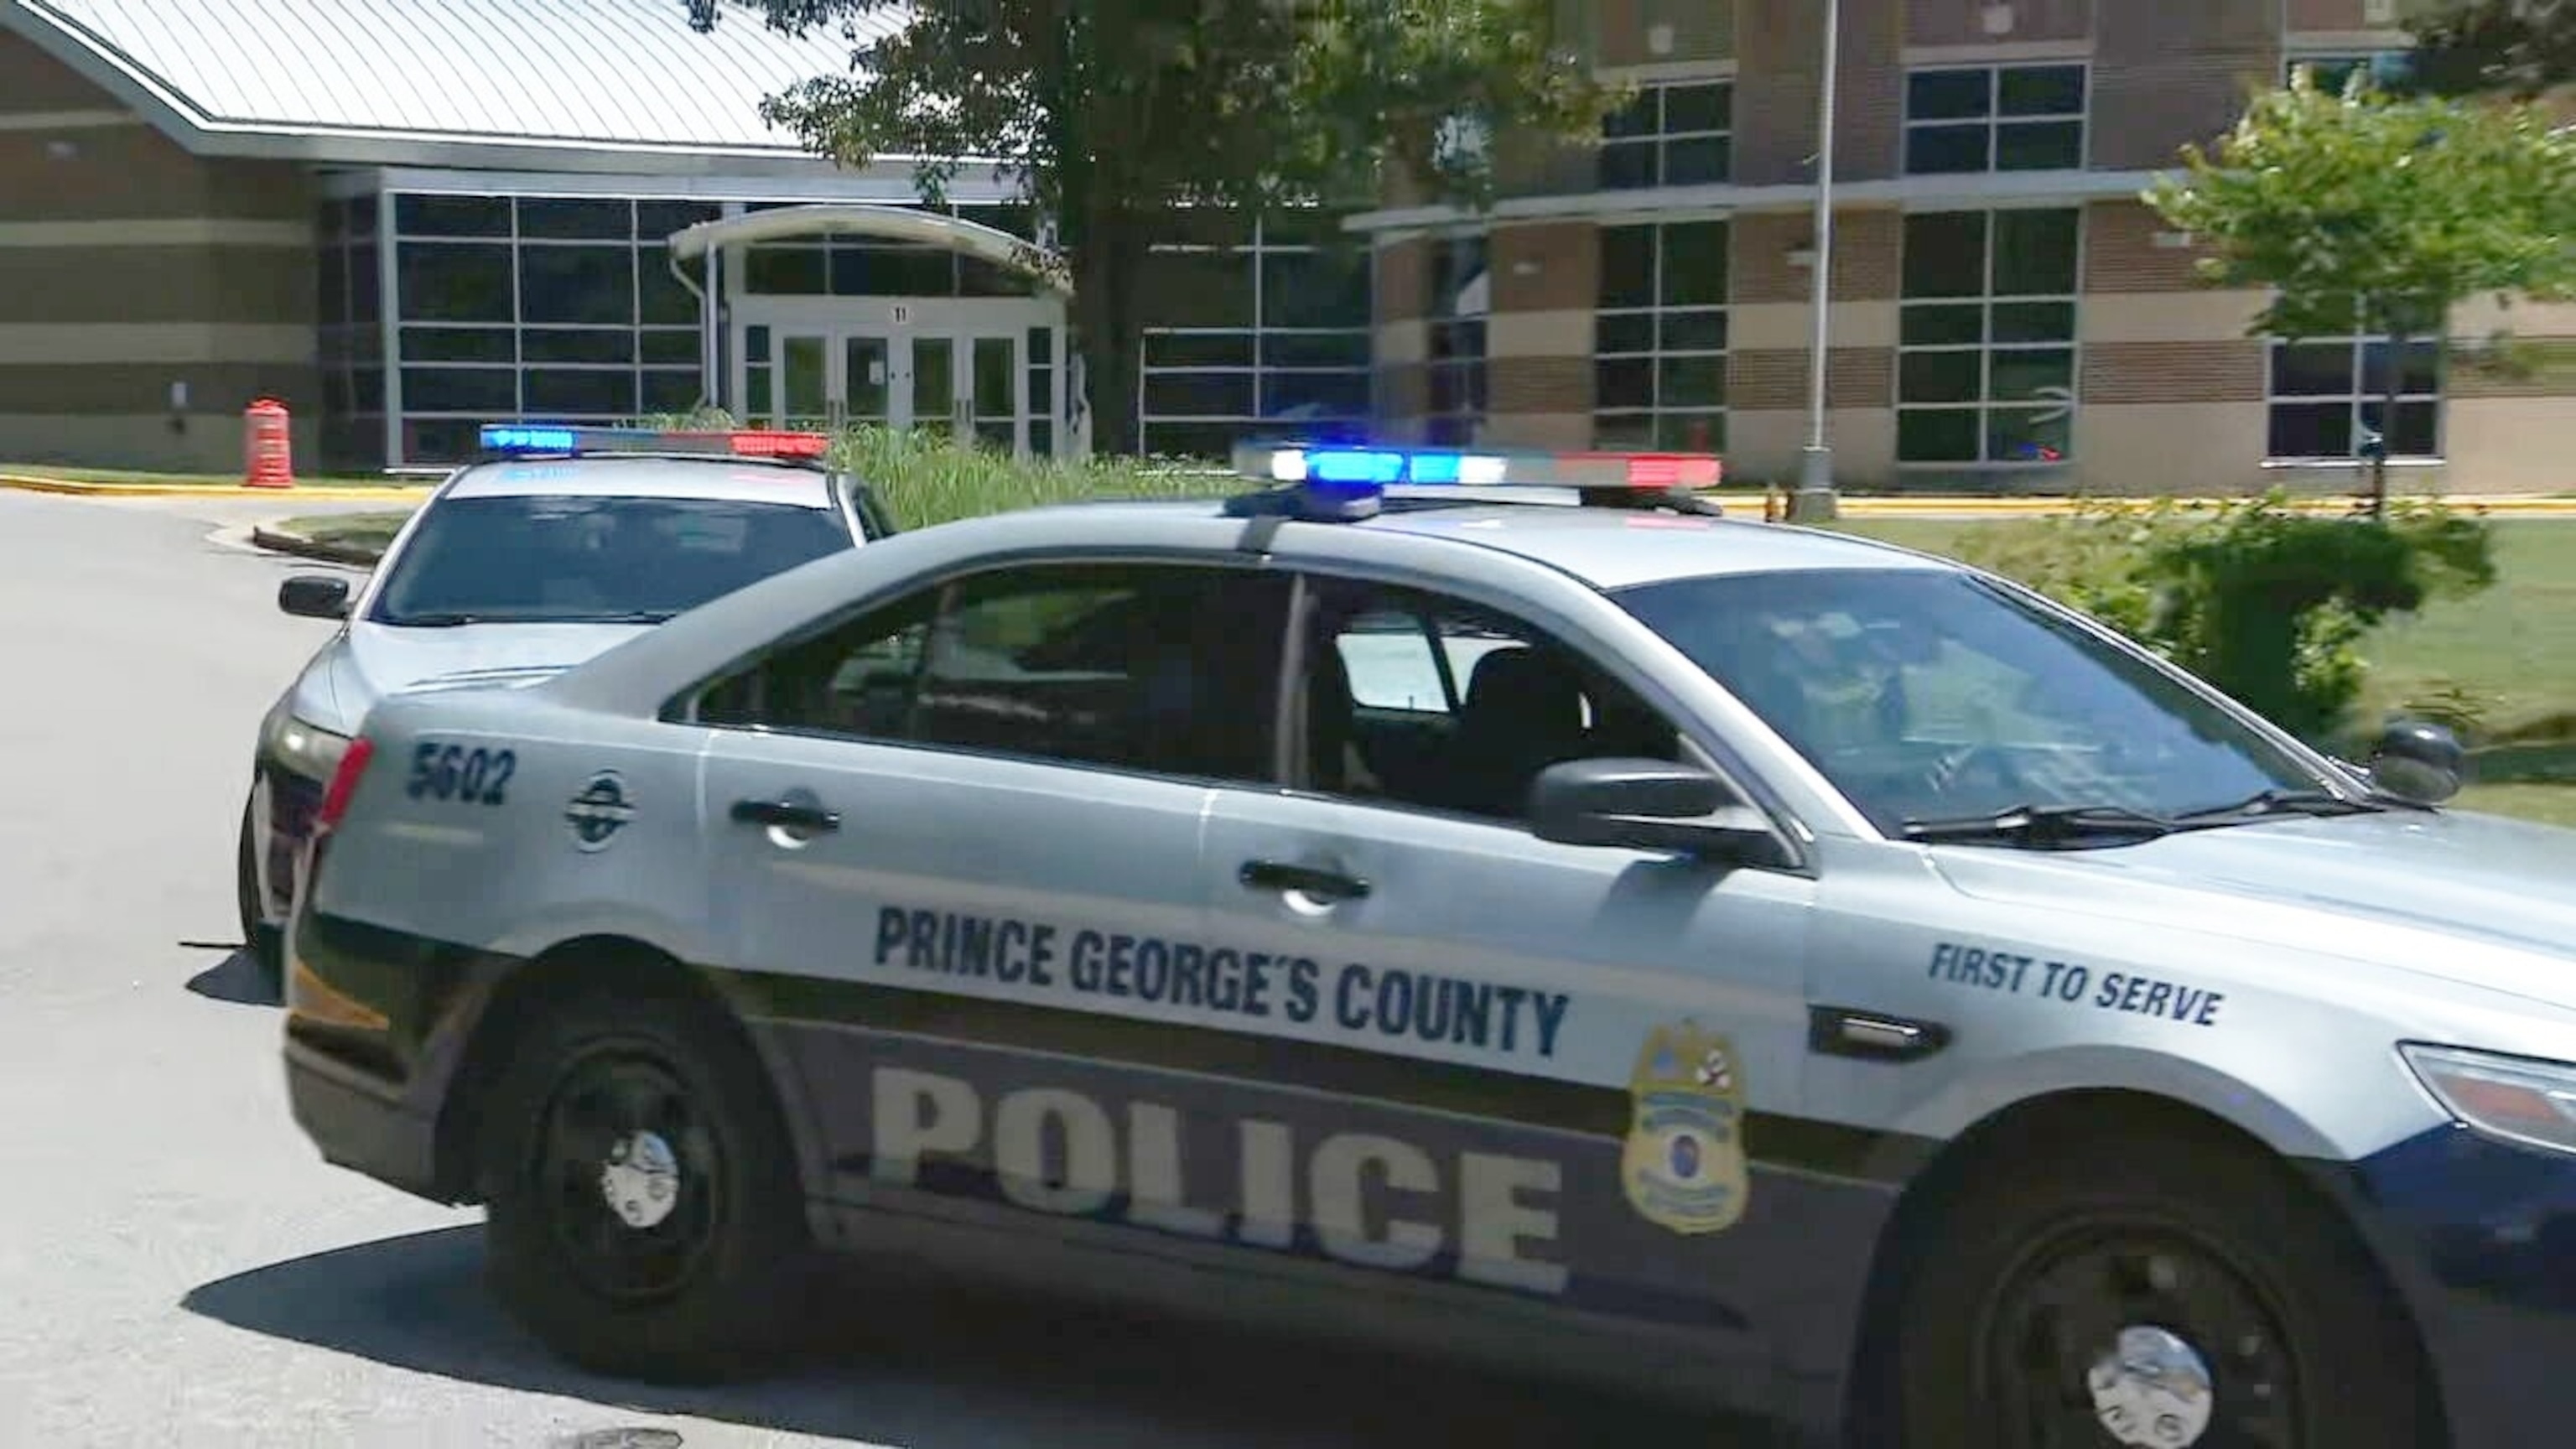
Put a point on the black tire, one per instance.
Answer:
(2025, 1283)
(709, 1292)
(261, 940)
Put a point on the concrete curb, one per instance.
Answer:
(320, 493)
(279, 540)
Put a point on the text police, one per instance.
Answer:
(1355, 997)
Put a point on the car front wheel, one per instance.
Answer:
(645, 1217)
(258, 937)
(2154, 1291)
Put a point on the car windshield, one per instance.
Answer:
(582, 559)
(1929, 696)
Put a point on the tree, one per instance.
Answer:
(2521, 48)
(1105, 113)
(2379, 214)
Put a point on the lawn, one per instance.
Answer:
(357, 530)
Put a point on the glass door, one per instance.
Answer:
(933, 396)
(990, 396)
(807, 397)
(867, 380)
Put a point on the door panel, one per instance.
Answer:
(993, 392)
(806, 396)
(867, 373)
(934, 385)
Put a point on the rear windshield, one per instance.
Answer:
(558, 559)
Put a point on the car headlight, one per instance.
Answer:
(305, 747)
(2514, 1098)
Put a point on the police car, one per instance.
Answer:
(556, 543)
(1547, 922)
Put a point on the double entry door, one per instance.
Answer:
(959, 384)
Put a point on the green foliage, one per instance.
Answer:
(2519, 48)
(2369, 209)
(2265, 600)
(1105, 113)
(926, 479)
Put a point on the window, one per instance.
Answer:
(583, 559)
(1461, 294)
(1659, 342)
(2388, 69)
(1929, 695)
(1994, 118)
(2328, 396)
(1414, 699)
(1670, 135)
(1986, 355)
(1251, 324)
(1159, 669)
(557, 307)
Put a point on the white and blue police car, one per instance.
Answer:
(553, 544)
(1549, 923)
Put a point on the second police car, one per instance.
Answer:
(552, 545)
(1745, 963)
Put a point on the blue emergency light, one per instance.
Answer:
(559, 440)
(1339, 468)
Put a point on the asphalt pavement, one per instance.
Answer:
(177, 1266)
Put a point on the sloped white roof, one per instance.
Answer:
(539, 81)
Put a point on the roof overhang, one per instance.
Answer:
(2008, 188)
(889, 223)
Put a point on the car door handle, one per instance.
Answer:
(1841, 1031)
(787, 813)
(1279, 875)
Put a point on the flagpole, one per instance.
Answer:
(1815, 497)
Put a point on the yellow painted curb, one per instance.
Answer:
(324, 493)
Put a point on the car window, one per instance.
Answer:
(1159, 669)
(1418, 699)
(1932, 695)
(570, 559)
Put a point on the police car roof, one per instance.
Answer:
(631, 475)
(1609, 548)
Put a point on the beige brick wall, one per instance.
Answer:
(2171, 447)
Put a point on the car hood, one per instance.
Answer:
(375, 660)
(2370, 887)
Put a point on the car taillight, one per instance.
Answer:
(344, 783)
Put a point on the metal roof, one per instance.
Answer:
(477, 81)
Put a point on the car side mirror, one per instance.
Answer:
(2419, 760)
(1644, 804)
(314, 596)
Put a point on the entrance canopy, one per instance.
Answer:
(890, 223)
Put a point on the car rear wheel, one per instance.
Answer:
(645, 1217)
(2155, 1291)
(259, 938)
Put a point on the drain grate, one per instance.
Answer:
(626, 1438)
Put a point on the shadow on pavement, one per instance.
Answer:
(236, 979)
(945, 1368)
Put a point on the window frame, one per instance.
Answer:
(2356, 351)
(1987, 299)
(1993, 123)
(1457, 346)
(1698, 744)
(1657, 142)
(1256, 371)
(685, 706)
(1654, 314)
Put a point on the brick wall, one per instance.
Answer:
(1865, 256)
(2173, 71)
(1961, 22)
(1780, 50)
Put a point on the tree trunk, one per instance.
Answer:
(2396, 382)
(1108, 264)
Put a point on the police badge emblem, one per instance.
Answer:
(1683, 1167)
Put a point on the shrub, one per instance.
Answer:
(2260, 598)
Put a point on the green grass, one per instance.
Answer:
(186, 480)
(361, 530)
(2548, 804)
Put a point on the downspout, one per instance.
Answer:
(706, 322)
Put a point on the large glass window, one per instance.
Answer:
(1926, 694)
(2388, 69)
(860, 266)
(539, 306)
(1994, 118)
(1251, 327)
(1986, 355)
(1461, 296)
(350, 339)
(2328, 396)
(585, 559)
(1659, 338)
(1681, 134)
(1155, 668)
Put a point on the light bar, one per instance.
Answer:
(558, 439)
(1362, 468)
